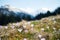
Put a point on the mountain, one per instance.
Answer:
(12, 14)
(7, 9)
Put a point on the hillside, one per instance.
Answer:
(45, 29)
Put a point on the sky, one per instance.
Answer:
(31, 6)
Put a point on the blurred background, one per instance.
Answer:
(17, 10)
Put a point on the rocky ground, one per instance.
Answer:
(44, 29)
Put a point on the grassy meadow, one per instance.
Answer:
(45, 29)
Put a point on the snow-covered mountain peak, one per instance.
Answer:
(11, 8)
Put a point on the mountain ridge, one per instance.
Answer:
(8, 15)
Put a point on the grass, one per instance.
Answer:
(49, 28)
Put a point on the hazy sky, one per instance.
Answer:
(32, 5)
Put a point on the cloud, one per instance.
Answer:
(29, 10)
(45, 9)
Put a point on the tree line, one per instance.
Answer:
(48, 13)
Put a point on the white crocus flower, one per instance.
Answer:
(54, 28)
(20, 30)
(39, 36)
(24, 26)
(25, 39)
(32, 25)
(42, 29)
(43, 39)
